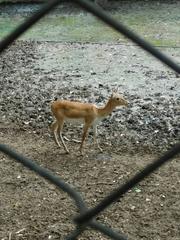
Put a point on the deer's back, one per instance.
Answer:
(70, 109)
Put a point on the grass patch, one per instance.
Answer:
(86, 28)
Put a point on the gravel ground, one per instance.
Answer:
(33, 74)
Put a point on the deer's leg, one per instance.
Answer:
(73, 140)
(54, 128)
(95, 137)
(85, 132)
(59, 130)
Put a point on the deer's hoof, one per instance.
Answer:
(100, 149)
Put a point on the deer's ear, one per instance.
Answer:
(112, 95)
(115, 90)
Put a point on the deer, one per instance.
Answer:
(87, 113)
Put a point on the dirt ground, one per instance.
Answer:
(31, 208)
(32, 74)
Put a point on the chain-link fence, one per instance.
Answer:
(87, 217)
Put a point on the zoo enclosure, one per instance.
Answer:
(87, 216)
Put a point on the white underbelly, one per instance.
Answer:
(78, 121)
(74, 121)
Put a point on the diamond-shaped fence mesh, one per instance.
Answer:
(87, 217)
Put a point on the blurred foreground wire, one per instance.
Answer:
(85, 219)
(118, 193)
(64, 187)
(101, 14)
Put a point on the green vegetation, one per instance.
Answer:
(151, 24)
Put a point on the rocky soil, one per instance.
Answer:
(33, 74)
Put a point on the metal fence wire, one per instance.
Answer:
(86, 218)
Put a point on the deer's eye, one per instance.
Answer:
(117, 99)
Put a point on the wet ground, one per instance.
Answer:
(32, 75)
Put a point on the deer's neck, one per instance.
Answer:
(106, 110)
